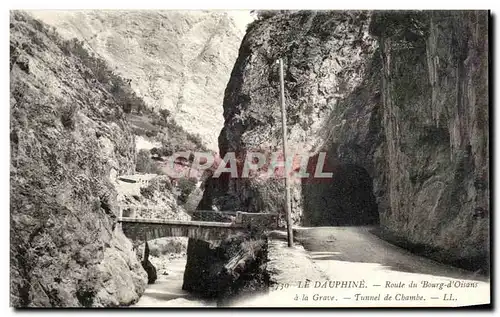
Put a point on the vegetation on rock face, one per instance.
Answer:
(170, 56)
(186, 186)
(408, 26)
(99, 70)
(208, 274)
(68, 133)
(145, 164)
(175, 139)
(157, 186)
(262, 15)
(146, 121)
(167, 246)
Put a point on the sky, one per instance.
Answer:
(241, 18)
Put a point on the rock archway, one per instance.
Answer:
(343, 200)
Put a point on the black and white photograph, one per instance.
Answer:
(165, 158)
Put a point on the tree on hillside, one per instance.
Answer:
(186, 186)
(145, 164)
(266, 14)
(164, 114)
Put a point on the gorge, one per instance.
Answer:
(398, 101)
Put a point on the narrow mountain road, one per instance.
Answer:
(358, 244)
(351, 267)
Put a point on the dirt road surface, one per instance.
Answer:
(351, 267)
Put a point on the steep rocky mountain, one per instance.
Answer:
(399, 103)
(326, 55)
(435, 148)
(175, 60)
(69, 141)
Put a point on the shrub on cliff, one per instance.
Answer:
(165, 114)
(186, 186)
(166, 246)
(176, 138)
(196, 140)
(145, 164)
(68, 112)
(160, 184)
(266, 14)
(116, 85)
(147, 192)
(261, 15)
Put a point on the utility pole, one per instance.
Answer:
(287, 172)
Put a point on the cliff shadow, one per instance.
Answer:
(345, 199)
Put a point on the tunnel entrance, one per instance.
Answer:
(346, 199)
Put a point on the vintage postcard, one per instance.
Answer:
(249, 158)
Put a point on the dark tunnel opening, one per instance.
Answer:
(345, 199)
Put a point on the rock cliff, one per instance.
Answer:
(69, 140)
(327, 55)
(176, 60)
(435, 154)
(398, 100)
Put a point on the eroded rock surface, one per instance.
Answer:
(226, 269)
(326, 55)
(68, 137)
(148, 266)
(175, 60)
(435, 153)
(398, 98)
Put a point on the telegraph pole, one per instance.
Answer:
(287, 172)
